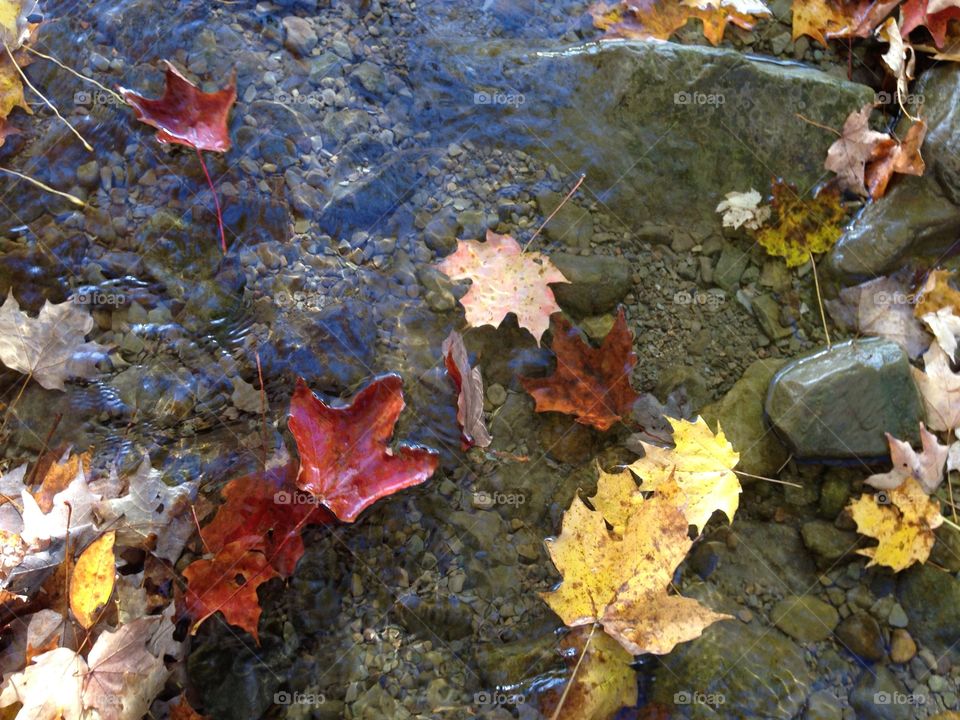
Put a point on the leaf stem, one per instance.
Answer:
(566, 690)
(823, 316)
(555, 211)
(216, 201)
(43, 186)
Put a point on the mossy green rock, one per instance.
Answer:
(805, 618)
(931, 598)
(838, 402)
(740, 414)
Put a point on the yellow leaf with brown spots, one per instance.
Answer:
(93, 578)
(617, 497)
(623, 582)
(904, 526)
(802, 227)
(830, 19)
(696, 475)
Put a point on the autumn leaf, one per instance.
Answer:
(151, 515)
(180, 709)
(265, 511)
(925, 467)
(11, 89)
(14, 22)
(937, 293)
(659, 19)
(592, 384)
(825, 20)
(617, 497)
(940, 389)
(345, 461)
(622, 582)
(904, 526)
(743, 209)
(186, 115)
(602, 681)
(945, 327)
(93, 579)
(228, 583)
(505, 279)
(696, 475)
(858, 144)
(50, 347)
(122, 674)
(469, 384)
(935, 15)
(902, 157)
(802, 227)
(899, 59)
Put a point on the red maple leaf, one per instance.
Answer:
(345, 461)
(228, 583)
(185, 114)
(267, 511)
(915, 14)
(592, 384)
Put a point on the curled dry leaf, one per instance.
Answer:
(825, 20)
(505, 279)
(469, 383)
(858, 144)
(345, 460)
(802, 227)
(696, 475)
(902, 157)
(51, 347)
(937, 293)
(935, 15)
(945, 327)
(926, 467)
(899, 59)
(940, 388)
(903, 526)
(592, 384)
(186, 115)
(743, 209)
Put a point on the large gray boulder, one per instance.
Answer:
(918, 215)
(661, 130)
(839, 402)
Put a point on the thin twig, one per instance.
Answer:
(773, 480)
(43, 97)
(823, 316)
(566, 690)
(43, 186)
(556, 210)
(816, 124)
(263, 413)
(216, 201)
(78, 74)
(951, 523)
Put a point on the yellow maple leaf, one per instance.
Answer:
(622, 582)
(802, 227)
(11, 88)
(904, 526)
(603, 683)
(93, 580)
(696, 475)
(937, 293)
(617, 497)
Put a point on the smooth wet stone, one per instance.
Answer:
(880, 695)
(826, 541)
(860, 634)
(299, 36)
(838, 402)
(662, 130)
(757, 672)
(805, 618)
(931, 599)
(740, 414)
(571, 225)
(823, 705)
(597, 283)
(918, 215)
